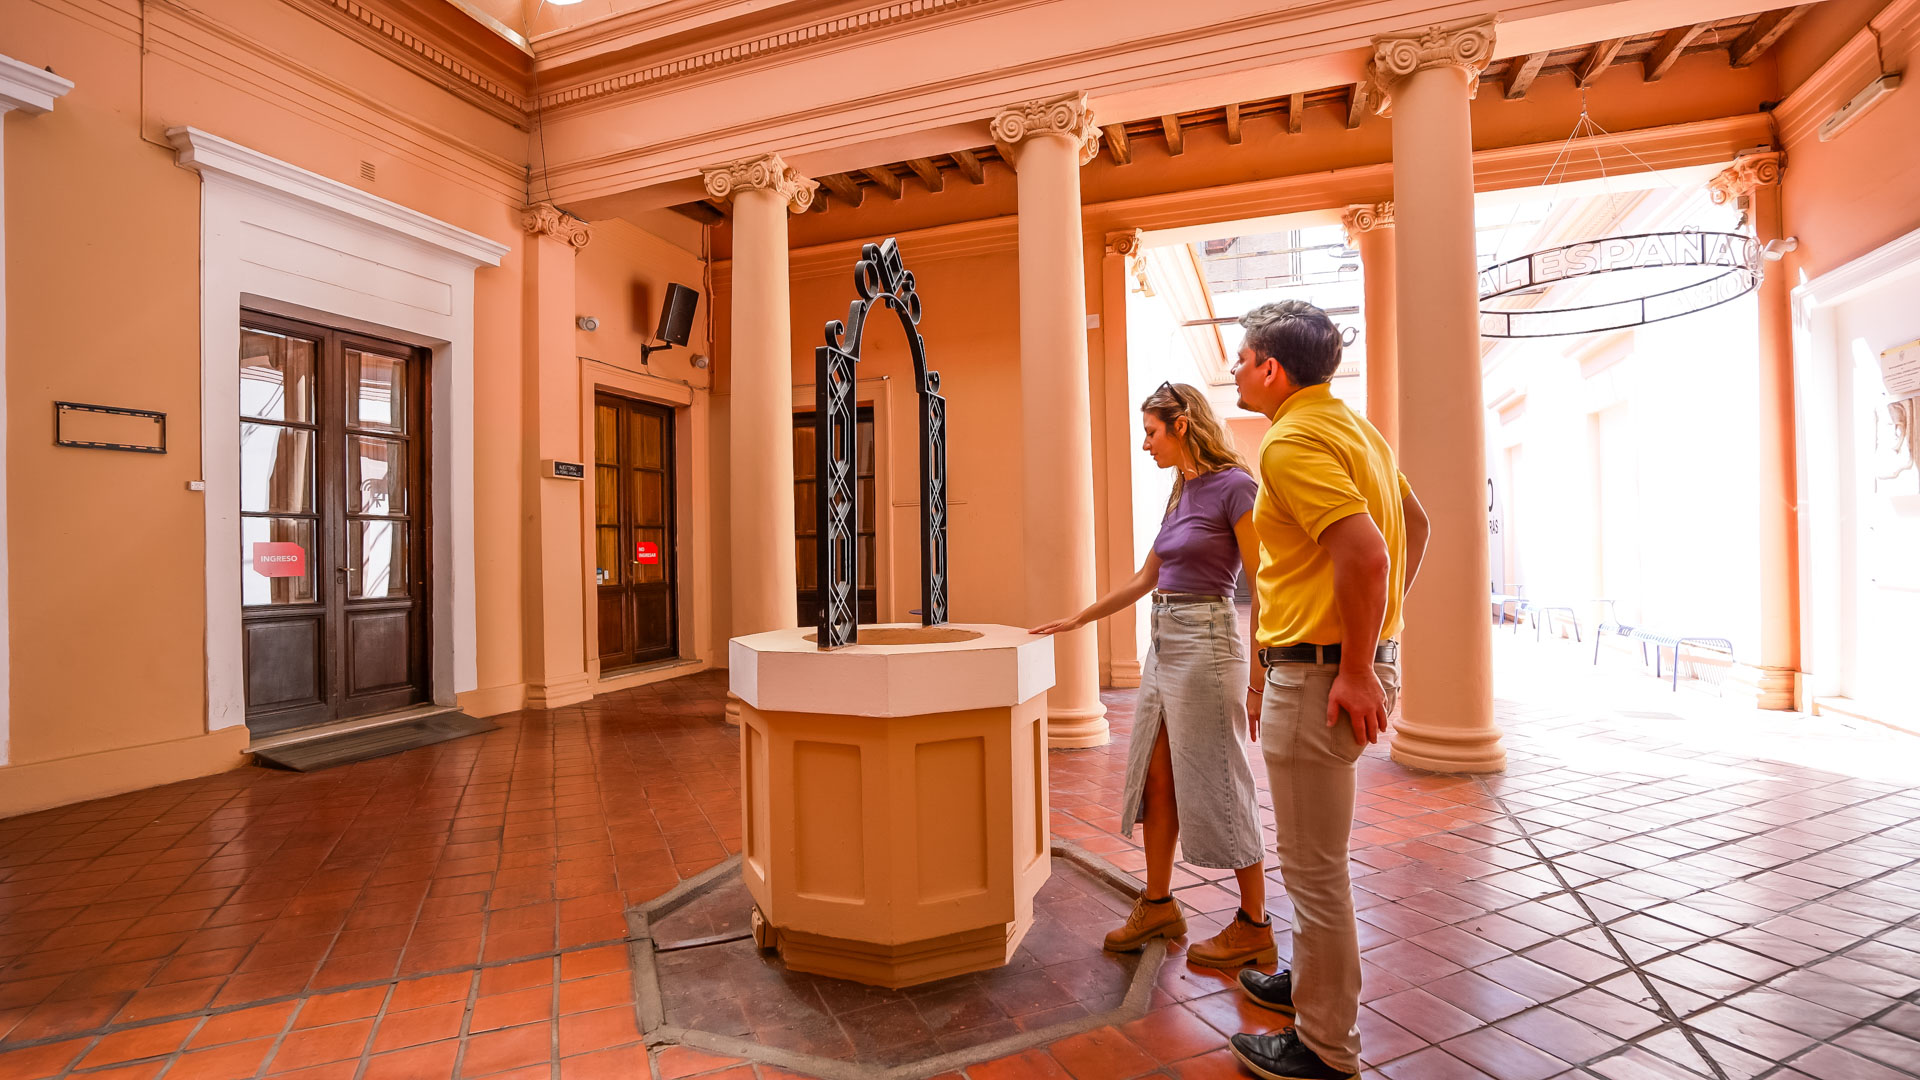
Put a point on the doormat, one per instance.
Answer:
(352, 746)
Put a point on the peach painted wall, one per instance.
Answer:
(1846, 197)
(103, 247)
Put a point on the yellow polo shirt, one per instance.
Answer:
(1321, 462)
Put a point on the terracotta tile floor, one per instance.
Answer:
(1661, 887)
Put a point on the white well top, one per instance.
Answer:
(994, 667)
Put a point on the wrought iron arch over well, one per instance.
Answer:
(878, 278)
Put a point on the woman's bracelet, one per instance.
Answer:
(1255, 690)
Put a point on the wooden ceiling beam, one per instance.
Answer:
(1760, 37)
(884, 179)
(1597, 61)
(970, 164)
(1233, 124)
(1356, 104)
(1521, 73)
(929, 174)
(1170, 126)
(1296, 113)
(1667, 51)
(703, 212)
(1118, 148)
(845, 188)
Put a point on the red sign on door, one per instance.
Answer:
(280, 560)
(646, 552)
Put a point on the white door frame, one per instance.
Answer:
(1826, 563)
(277, 238)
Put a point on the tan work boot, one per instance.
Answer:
(1242, 942)
(1147, 921)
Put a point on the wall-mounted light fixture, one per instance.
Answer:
(586, 322)
(699, 360)
(1846, 115)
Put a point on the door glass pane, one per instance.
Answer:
(377, 391)
(606, 434)
(803, 452)
(864, 433)
(648, 445)
(649, 498)
(606, 494)
(645, 572)
(376, 559)
(376, 475)
(804, 510)
(806, 551)
(607, 560)
(867, 509)
(867, 575)
(276, 561)
(276, 469)
(276, 377)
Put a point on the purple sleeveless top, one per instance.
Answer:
(1197, 549)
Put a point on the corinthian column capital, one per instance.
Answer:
(1736, 182)
(549, 220)
(1467, 44)
(1067, 115)
(1366, 217)
(764, 173)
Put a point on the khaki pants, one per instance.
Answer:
(1310, 767)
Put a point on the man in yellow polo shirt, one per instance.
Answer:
(1341, 536)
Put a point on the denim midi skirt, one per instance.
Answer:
(1194, 684)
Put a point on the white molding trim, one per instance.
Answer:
(30, 91)
(211, 155)
(28, 88)
(277, 238)
(1826, 505)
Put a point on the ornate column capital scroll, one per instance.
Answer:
(1466, 44)
(1366, 217)
(1067, 115)
(548, 219)
(1735, 183)
(1125, 242)
(765, 173)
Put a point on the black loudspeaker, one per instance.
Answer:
(676, 314)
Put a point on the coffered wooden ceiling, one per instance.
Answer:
(1742, 40)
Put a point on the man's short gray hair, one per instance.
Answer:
(1300, 336)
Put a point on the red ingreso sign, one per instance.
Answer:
(279, 560)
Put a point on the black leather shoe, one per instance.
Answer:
(1269, 991)
(1283, 1057)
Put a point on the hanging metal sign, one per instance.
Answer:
(1735, 256)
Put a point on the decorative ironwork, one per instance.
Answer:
(1732, 263)
(878, 278)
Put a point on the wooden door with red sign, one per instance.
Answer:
(333, 524)
(633, 531)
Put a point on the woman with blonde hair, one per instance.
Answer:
(1187, 773)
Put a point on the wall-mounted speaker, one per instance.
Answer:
(676, 314)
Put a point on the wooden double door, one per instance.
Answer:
(635, 564)
(334, 542)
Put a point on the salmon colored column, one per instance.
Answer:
(760, 442)
(1753, 182)
(556, 644)
(1370, 230)
(1051, 138)
(1427, 77)
(1117, 268)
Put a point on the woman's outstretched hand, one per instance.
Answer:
(1058, 626)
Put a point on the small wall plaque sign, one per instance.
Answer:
(565, 470)
(107, 427)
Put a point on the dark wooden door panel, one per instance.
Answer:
(336, 536)
(284, 663)
(636, 563)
